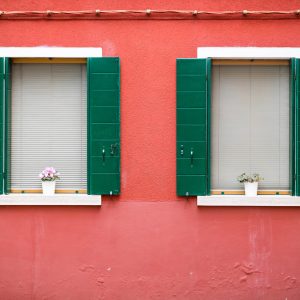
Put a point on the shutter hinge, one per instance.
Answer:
(3, 76)
(4, 175)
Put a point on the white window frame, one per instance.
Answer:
(278, 53)
(248, 52)
(50, 52)
(42, 51)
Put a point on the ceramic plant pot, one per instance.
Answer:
(48, 187)
(250, 188)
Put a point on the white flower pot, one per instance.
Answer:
(48, 187)
(250, 188)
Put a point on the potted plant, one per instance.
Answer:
(49, 176)
(250, 183)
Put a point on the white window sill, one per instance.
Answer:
(57, 199)
(238, 200)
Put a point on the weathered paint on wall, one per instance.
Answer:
(148, 243)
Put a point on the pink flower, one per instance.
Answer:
(50, 170)
(49, 173)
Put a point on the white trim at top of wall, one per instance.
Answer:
(248, 52)
(44, 51)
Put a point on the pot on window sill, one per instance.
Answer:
(250, 188)
(48, 187)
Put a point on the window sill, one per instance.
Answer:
(57, 199)
(240, 200)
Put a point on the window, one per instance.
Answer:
(48, 124)
(250, 125)
(214, 97)
(79, 98)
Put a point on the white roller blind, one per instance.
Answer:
(250, 125)
(48, 124)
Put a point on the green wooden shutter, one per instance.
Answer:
(193, 111)
(5, 94)
(2, 106)
(295, 126)
(7, 125)
(103, 126)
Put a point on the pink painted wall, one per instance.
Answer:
(148, 243)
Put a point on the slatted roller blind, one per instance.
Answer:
(49, 124)
(250, 125)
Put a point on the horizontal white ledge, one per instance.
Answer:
(238, 200)
(57, 199)
(248, 52)
(44, 51)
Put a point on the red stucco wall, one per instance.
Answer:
(147, 243)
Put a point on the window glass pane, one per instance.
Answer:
(48, 124)
(250, 125)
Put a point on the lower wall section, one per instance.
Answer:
(149, 250)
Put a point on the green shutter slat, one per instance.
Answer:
(104, 132)
(192, 83)
(100, 82)
(191, 66)
(192, 119)
(193, 184)
(191, 116)
(187, 167)
(186, 132)
(104, 126)
(109, 165)
(104, 184)
(104, 65)
(186, 99)
(104, 98)
(102, 114)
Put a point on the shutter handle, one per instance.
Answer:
(113, 149)
(192, 156)
(103, 154)
(181, 150)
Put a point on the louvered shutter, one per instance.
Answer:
(193, 110)
(104, 126)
